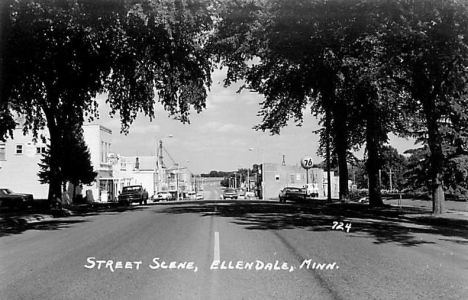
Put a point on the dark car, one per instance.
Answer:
(292, 193)
(9, 199)
(229, 193)
(133, 193)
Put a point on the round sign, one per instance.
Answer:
(307, 162)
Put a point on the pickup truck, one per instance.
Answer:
(292, 193)
(133, 193)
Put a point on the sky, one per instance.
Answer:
(221, 137)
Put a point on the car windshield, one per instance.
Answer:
(5, 192)
(229, 191)
(294, 189)
(131, 188)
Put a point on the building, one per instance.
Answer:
(99, 141)
(19, 159)
(20, 156)
(277, 176)
(143, 171)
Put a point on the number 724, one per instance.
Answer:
(341, 226)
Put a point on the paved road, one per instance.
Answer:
(212, 250)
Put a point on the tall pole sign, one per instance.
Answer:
(307, 163)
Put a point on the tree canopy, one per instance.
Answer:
(367, 68)
(59, 54)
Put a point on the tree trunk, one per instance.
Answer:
(74, 194)
(55, 180)
(437, 165)
(373, 163)
(341, 144)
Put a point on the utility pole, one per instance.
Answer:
(177, 184)
(160, 162)
(329, 200)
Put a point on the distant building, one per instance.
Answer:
(181, 178)
(277, 176)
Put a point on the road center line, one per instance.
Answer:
(217, 256)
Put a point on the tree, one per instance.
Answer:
(7, 123)
(429, 40)
(322, 54)
(418, 169)
(74, 159)
(77, 166)
(129, 49)
(393, 167)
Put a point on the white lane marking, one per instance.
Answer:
(217, 256)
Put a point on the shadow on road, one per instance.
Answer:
(19, 222)
(386, 225)
(11, 229)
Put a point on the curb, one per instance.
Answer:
(35, 218)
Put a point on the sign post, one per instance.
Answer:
(307, 162)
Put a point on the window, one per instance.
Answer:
(40, 150)
(19, 149)
(2, 152)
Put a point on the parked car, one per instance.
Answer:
(133, 193)
(229, 193)
(9, 199)
(292, 193)
(162, 196)
(194, 196)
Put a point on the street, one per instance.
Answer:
(232, 250)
